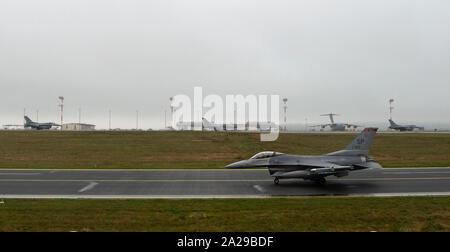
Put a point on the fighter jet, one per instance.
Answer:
(39, 126)
(335, 126)
(316, 168)
(395, 126)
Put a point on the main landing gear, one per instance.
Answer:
(276, 181)
(320, 181)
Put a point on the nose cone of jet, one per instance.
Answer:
(239, 164)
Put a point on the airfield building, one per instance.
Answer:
(78, 126)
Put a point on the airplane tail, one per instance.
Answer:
(393, 124)
(207, 124)
(360, 145)
(27, 120)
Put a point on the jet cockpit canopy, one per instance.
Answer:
(266, 154)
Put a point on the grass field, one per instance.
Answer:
(348, 214)
(103, 149)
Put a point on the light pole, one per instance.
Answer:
(171, 110)
(306, 124)
(137, 119)
(285, 114)
(110, 119)
(165, 119)
(61, 98)
(390, 108)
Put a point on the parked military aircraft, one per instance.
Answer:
(260, 126)
(209, 126)
(39, 126)
(395, 126)
(336, 126)
(185, 125)
(205, 125)
(316, 168)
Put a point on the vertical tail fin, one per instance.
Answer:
(363, 141)
(360, 145)
(27, 119)
(207, 125)
(331, 115)
(393, 124)
(206, 122)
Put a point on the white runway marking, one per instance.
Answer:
(88, 187)
(78, 196)
(15, 174)
(259, 188)
(415, 172)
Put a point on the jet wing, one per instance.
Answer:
(329, 170)
(326, 167)
(320, 125)
(317, 168)
(369, 165)
(322, 171)
(301, 164)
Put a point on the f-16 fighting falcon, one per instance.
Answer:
(395, 126)
(316, 168)
(38, 126)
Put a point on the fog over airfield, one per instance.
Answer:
(346, 57)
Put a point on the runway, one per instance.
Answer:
(215, 183)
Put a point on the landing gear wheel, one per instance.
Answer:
(276, 181)
(321, 181)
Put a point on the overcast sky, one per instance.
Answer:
(346, 57)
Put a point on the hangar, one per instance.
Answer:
(78, 126)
